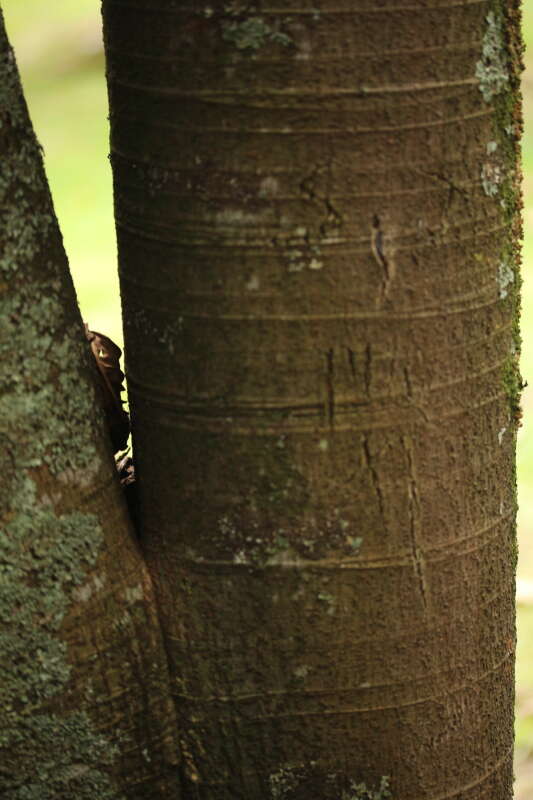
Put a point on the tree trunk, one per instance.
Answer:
(317, 215)
(85, 706)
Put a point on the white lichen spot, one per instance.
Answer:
(360, 791)
(505, 278)
(304, 50)
(323, 445)
(295, 262)
(302, 671)
(297, 266)
(122, 621)
(491, 69)
(146, 755)
(491, 147)
(328, 600)
(134, 593)
(208, 12)
(252, 34)
(269, 187)
(81, 478)
(72, 772)
(83, 593)
(491, 179)
(282, 557)
(500, 435)
(240, 557)
(315, 264)
(237, 217)
(284, 780)
(354, 542)
(253, 284)
(226, 526)
(50, 499)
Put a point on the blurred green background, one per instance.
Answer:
(59, 51)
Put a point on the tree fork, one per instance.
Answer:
(318, 219)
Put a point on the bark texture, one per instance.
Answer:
(84, 702)
(317, 215)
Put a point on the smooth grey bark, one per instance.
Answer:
(318, 220)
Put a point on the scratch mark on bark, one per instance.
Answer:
(368, 368)
(452, 186)
(330, 386)
(408, 384)
(414, 522)
(351, 363)
(375, 476)
(386, 264)
(410, 394)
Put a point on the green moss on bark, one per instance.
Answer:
(498, 72)
(47, 428)
(44, 557)
(252, 34)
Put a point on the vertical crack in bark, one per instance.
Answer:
(330, 387)
(387, 266)
(408, 384)
(351, 363)
(368, 368)
(375, 477)
(307, 184)
(410, 395)
(414, 522)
